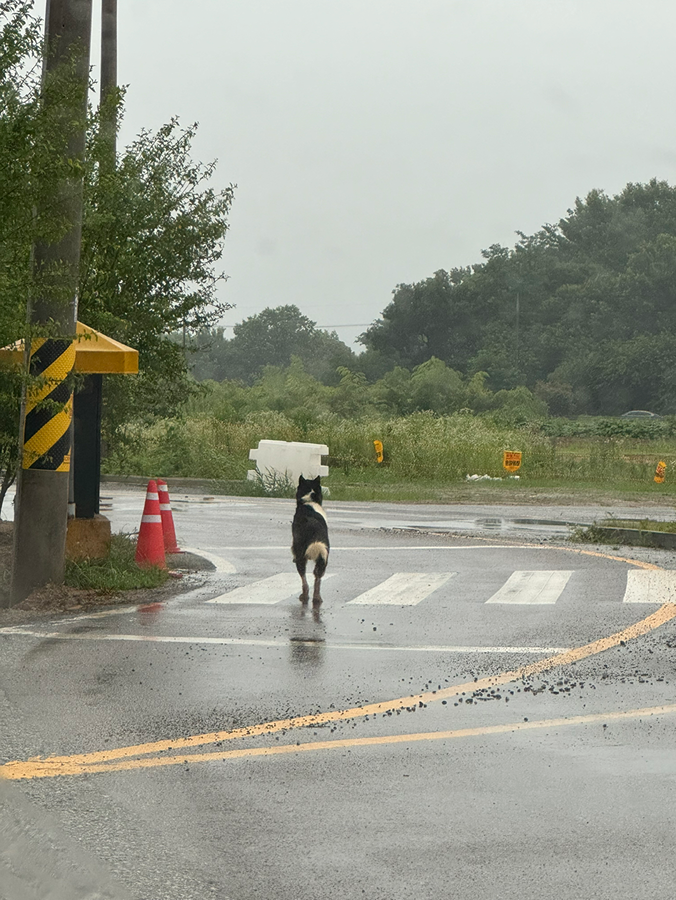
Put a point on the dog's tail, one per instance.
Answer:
(317, 550)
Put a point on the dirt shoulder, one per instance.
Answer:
(488, 493)
(54, 600)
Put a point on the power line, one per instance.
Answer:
(354, 325)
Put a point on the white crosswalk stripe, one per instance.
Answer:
(268, 591)
(540, 587)
(403, 589)
(646, 586)
(536, 587)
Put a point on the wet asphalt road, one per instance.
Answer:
(550, 784)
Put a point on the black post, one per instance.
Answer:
(87, 422)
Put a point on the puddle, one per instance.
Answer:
(493, 525)
(479, 524)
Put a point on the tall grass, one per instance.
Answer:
(419, 447)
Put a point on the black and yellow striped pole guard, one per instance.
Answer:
(49, 405)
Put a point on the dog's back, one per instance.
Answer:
(309, 529)
(310, 532)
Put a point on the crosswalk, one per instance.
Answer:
(268, 591)
(652, 586)
(542, 587)
(402, 589)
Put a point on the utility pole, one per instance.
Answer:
(517, 329)
(109, 76)
(88, 399)
(42, 485)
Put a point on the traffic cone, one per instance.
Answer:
(168, 529)
(150, 545)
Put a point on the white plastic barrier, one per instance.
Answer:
(290, 459)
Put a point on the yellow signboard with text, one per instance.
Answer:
(511, 460)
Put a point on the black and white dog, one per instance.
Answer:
(310, 535)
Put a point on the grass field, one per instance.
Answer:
(427, 458)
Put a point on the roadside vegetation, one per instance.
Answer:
(427, 455)
(118, 572)
(641, 525)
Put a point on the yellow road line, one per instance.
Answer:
(55, 763)
(632, 562)
(29, 770)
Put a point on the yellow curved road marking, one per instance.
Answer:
(57, 765)
(625, 559)
(29, 770)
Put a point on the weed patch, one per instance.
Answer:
(118, 572)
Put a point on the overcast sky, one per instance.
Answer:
(376, 141)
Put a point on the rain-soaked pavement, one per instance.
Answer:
(432, 730)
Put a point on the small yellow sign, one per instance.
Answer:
(379, 450)
(511, 460)
(660, 472)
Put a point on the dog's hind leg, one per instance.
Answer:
(301, 565)
(320, 568)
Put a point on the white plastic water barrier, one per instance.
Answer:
(290, 459)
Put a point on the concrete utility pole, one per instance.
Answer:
(109, 73)
(88, 399)
(42, 485)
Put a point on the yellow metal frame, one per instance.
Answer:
(95, 354)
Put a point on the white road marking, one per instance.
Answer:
(124, 611)
(104, 614)
(403, 589)
(532, 587)
(223, 566)
(271, 644)
(269, 590)
(650, 587)
(396, 548)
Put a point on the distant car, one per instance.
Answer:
(640, 414)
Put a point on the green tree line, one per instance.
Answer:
(582, 314)
(305, 401)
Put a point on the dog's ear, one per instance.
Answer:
(300, 480)
(317, 481)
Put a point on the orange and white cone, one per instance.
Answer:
(168, 529)
(150, 545)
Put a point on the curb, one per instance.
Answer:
(665, 540)
(198, 485)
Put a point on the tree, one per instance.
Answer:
(436, 387)
(548, 310)
(152, 242)
(272, 338)
(19, 50)
(152, 237)
(36, 127)
(423, 320)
